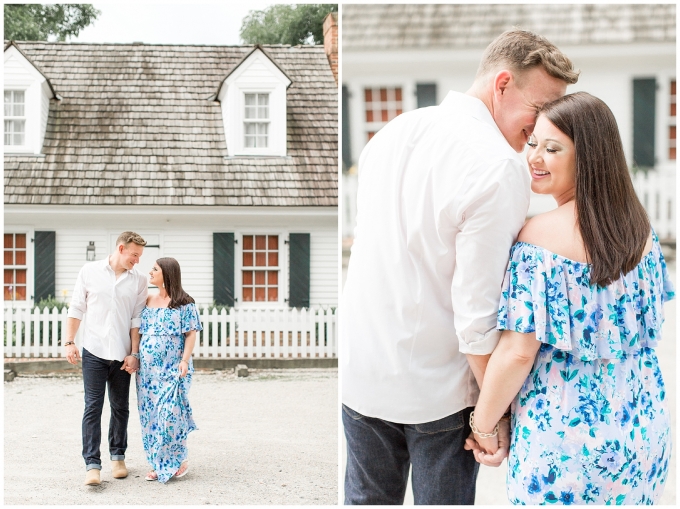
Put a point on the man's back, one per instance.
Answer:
(421, 180)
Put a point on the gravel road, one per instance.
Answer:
(271, 438)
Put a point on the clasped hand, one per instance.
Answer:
(491, 451)
(130, 364)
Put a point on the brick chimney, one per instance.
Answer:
(330, 41)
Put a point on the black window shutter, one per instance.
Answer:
(426, 94)
(299, 262)
(346, 150)
(223, 268)
(45, 266)
(644, 118)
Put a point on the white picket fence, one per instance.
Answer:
(239, 333)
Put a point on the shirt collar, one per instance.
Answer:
(471, 105)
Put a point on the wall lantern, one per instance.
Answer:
(90, 252)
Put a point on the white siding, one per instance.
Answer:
(70, 257)
(44, 113)
(16, 71)
(324, 268)
(193, 251)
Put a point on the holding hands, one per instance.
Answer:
(490, 450)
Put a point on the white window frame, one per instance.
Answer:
(14, 118)
(30, 283)
(257, 120)
(282, 301)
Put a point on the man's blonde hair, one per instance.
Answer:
(126, 237)
(520, 50)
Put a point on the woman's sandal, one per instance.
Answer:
(151, 476)
(183, 469)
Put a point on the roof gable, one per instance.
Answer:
(257, 57)
(14, 57)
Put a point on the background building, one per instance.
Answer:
(223, 157)
(399, 57)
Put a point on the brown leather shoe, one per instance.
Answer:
(118, 469)
(92, 477)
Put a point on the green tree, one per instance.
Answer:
(286, 24)
(35, 22)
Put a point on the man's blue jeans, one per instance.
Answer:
(379, 453)
(98, 374)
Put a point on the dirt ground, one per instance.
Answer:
(271, 438)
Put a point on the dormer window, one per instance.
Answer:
(27, 103)
(253, 103)
(256, 124)
(15, 118)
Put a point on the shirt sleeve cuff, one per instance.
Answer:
(479, 344)
(75, 313)
(135, 323)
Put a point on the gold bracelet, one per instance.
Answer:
(477, 432)
(184, 361)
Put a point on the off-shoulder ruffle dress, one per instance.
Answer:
(162, 396)
(591, 423)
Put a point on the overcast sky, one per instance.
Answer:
(158, 22)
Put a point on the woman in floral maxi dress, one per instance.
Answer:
(581, 309)
(169, 325)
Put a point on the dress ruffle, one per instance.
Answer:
(552, 296)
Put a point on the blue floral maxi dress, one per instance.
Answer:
(162, 400)
(590, 424)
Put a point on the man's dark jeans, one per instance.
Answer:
(98, 374)
(379, 453)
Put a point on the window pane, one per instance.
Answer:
(261, 242)
(8, 293)
(263, 99)
(251, 128)
(20, 293)
(247, 259)
(250, 100)
(248, 277)
(20, 276)
(251, 112)
(259, 294)
(19, 96)
(20, 257)
(262, 129)
(8, 96)
(18, 110)
(9, 276)
(250, 141)
(273, 259)
(8, 138)
(247, 294)
(261, 259)
(8, 110)
(273, 294)
(21, 240)
(18, 139)
(9, 240)
(273, 242)
(9, 258)
(248, 242)
(259, 277)
(273, 277)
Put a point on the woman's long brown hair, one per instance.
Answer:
(612, 221)
(172, 279)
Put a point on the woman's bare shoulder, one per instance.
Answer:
(557, 232)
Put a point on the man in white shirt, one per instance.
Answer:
(109, 295)
(442, 196)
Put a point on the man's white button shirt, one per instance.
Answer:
(110, 307)
(441, 199)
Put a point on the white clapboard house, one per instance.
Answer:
(401, 57)
(223, 157)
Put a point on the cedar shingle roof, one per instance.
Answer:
(135, 127)
(392, 27)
